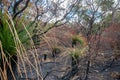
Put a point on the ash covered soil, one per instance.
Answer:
(101, 68)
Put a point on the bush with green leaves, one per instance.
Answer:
(6, 38)
(76, 53)
(77, 38)
(13, 34)
(8, 51)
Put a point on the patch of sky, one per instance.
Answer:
(97, 14)
(70, 15)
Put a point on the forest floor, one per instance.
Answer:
(55, 68)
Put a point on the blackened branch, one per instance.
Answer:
(20, 11)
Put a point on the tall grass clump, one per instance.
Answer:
(13, 54)
(80, 39)
(8, 54)
(80, 51)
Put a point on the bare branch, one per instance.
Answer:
(20, 11)
(16, 5)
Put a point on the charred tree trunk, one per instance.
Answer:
(45, 56)
(74, 43)
(73, 71)
(74, 66)
(87, 70)
(13, 63)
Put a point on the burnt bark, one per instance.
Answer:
(87, 70)
(13, 64)
(73, 71)
(15, 13)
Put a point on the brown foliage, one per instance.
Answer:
(109, 39)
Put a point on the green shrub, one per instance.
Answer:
(7, 39)
(76, 54)
(8, 52)
(77, 38)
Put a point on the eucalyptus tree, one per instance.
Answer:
(44, 15)
(35, 11)
(111, 7)
(92, 16)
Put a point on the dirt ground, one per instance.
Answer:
(55, 68)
